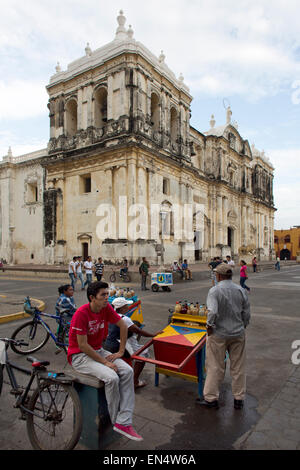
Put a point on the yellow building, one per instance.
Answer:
(287, 243)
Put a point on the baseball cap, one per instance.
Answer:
(120, 302)
(223, 268)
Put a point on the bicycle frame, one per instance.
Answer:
(34, 374)
(37, 316)
(21, 399)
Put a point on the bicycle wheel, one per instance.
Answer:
(32, 333)
(127, 278)
(56, 419)
(112, 278)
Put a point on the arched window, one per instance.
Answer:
(166, 225)
(71, 118)
(174, 124)
(155, 112)
(100, 107)
(287, 239)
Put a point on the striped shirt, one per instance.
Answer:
(228, 309)
(65, 303)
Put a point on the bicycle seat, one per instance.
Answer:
(36, 363)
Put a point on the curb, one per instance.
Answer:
(20, 315)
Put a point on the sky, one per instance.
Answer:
(246, 54)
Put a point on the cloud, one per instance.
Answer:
(247, 48)
(286, 186)
(20, 145)
(21, 99)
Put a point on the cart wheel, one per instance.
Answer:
(155, 287)
(169, 289)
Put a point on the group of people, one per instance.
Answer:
(229, 261)
(76, 267)
(183, 270)
(108, 356)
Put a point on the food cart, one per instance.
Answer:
(163, 280)
(180, 350)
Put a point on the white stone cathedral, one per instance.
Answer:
(125, 175)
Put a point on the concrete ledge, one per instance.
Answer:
(19, 315)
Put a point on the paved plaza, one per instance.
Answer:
(167, 416)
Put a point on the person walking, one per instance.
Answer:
(99, 269)
(72, 271)
(228, 316)
(244, 275)
(230, 261)
(277, 264)
(254, 264)
(87, 355)
(88, 266)
(79, 271)
(144, 270)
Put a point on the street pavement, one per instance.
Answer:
(167, 416)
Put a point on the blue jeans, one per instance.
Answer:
(73, 280)
(243, 283)
(143, 281)
(89, 279)
(80, 276)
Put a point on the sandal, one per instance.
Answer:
(140, 384)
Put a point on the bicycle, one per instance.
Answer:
(36, 332)
(52, 410)
(124, 276)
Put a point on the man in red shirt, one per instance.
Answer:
(86, 355)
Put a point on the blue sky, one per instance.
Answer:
(247, 52)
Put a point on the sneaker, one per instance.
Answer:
(127, 431)
(208, 404)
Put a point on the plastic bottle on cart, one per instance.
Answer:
(177, 307)
(197, 308)
(184, 307)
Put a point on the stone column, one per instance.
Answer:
(110, 104)
(225, 220)
(142, 191)
(219, 220)
(79, 109)
(89, 106)
(120, 200)
(243, 225)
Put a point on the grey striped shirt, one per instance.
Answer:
(228, 309)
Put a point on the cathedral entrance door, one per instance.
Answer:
(85, 250)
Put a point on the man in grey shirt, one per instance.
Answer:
(228, 315)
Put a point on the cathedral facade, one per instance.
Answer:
(126, 175)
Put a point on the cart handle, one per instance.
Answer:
(178, 367)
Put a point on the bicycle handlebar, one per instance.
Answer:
(19, 342)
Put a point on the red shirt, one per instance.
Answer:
(93, 325)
